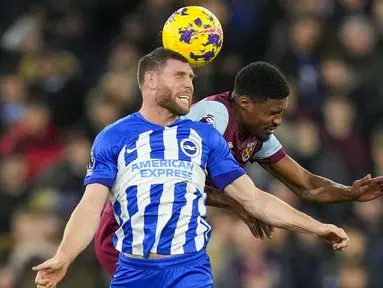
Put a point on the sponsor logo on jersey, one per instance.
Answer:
(209, 119)
(190, 147)
(92, 162)
(248, 151)
(164, 168)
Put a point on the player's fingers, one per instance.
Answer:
(340, 233)
(253, 230)
(377, 180)
(46, 286)
(342, 245)
(42, 281)
(344, 241)
(365, 180)
(38, 276)
(258, 228)
(43, 266)
(267, 229)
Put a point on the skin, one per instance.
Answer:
(259, 118)
(84, 220)
(167, 92)
(262, 119)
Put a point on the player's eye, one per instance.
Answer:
(179, 75)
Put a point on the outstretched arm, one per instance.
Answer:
(275, 212)
(78, 233)
(216, 198)
(319, 189)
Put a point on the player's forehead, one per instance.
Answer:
(176, 66)
(276, 104)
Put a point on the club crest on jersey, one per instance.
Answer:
(190, 147)
(90, 166)
(248, 151)
(209, 119)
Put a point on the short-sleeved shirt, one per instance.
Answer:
(156, 177)
(218, 111)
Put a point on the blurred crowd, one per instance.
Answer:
(68, 69)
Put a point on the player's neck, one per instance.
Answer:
(157, 115)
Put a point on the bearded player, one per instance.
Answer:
(153, 166)
(247, 118)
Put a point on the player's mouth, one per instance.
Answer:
(270, 130)
(184, 98)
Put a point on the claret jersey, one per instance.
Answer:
(217, 110)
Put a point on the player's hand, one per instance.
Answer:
(50, 272)
(257, 227)
(367, 188)
(334, 235)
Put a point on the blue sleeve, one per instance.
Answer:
(221, 165)
(102, 167)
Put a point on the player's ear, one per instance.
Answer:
(244, 102)
(150, 80)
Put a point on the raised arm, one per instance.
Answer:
(275, 212)
(319, 189)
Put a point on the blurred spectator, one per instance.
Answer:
(68, 70)
(301, 60)
(352, 276)
(58, 85)
(14, 94)
(14, 188)
(99, 114)
(34, 137)
(377, 151)
(343, 138)
(64, 180)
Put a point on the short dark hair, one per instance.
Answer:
(261, 81)
(154, 60)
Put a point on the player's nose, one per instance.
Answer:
(277, 121)
(189, 84)
(189, 87)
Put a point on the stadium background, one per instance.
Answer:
(68, 69)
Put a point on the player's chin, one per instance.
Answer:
(183, 109)
(265, 135)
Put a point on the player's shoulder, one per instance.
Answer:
(206, 131)
(215, 104)
(199, 126)
(212, 110)
(117, 129)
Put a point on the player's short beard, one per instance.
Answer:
(167, 100)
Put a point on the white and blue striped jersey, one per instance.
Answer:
(156, 177)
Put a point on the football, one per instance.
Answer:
(195, 33)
